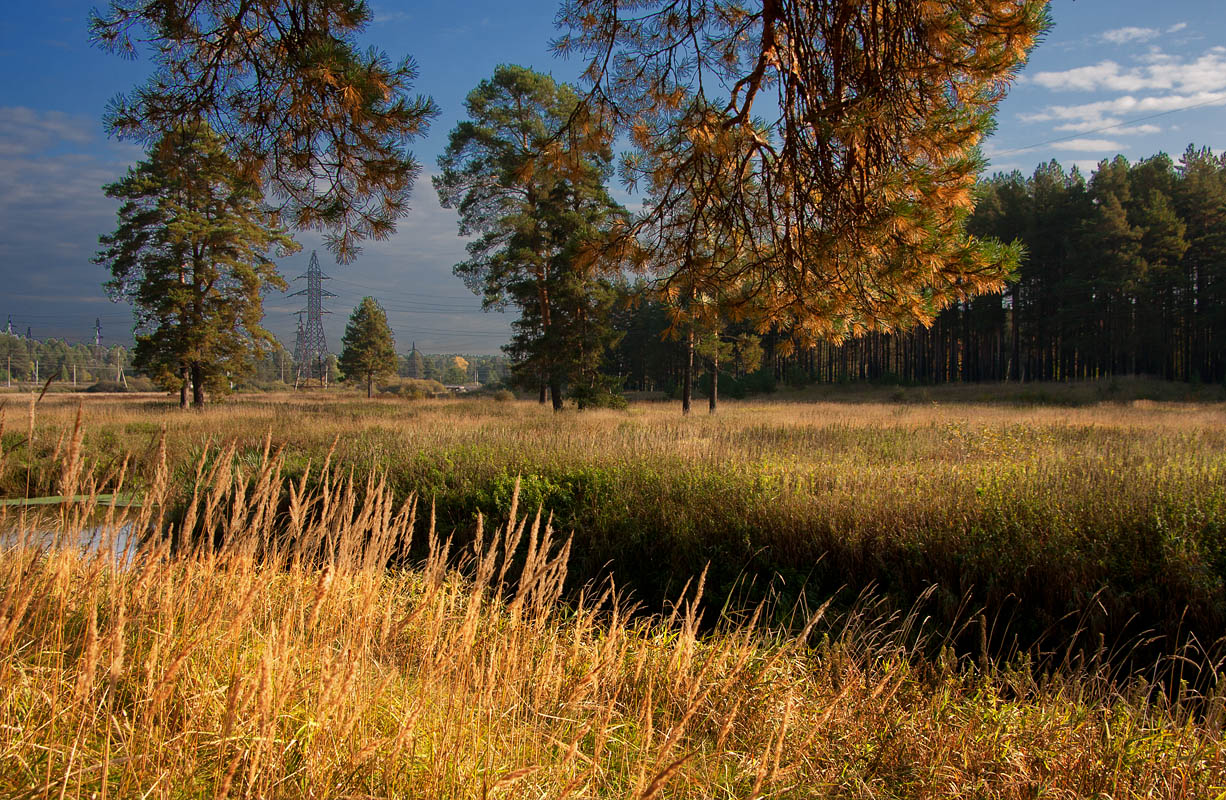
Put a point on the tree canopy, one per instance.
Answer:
(323, 122)
(368, 349)
(191, 253)
(533, 193)
(833, 143)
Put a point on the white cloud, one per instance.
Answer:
(1088, 125)
(24, 131)
(1177, 27)
(1115, 125)
(1138, 130)
(1129, 34)
(1162, 72)
(383, 16)
(1127, 104)
(1088, 145)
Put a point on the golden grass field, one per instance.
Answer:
(280, 656)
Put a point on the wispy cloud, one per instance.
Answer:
(1177, 27)
(383, 16)
(24, 131)
(1156, 83)
(1129, 34)
(1116, 126)
(1127, 104)
(1088, 145)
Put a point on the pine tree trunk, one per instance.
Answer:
(555, 392)
(197, 386)
(713, 398)
(687, 386)
(370, 385)
(542, 400)
(183, 387)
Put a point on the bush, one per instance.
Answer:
(412, 388)
(503, 395)
(135, 384)
(604, 392)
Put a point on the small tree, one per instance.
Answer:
(369, 350)
(721, 350)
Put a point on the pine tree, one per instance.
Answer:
(535, 199)
(191, 255)
(414, 366)
(1200, 198)
(368, 349)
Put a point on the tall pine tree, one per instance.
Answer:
(191, 253)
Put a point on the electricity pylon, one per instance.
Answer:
(311, 349)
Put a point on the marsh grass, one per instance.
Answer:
(281, 657)
(1076, 527)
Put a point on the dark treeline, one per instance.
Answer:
(1124, 274)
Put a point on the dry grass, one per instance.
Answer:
(278, 657)
(1068, 525)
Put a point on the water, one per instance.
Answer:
(40, 531)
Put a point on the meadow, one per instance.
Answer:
(910, 593)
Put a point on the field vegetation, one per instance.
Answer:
(279, 656)
(1067, 526)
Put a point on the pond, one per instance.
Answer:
(42, 529)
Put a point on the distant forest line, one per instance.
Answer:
(29, 360)
(1124, 274)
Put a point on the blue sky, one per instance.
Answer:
(1112, 77)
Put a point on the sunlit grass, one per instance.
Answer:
(280, 657)
(1074, 527)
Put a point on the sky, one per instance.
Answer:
(1130, 77)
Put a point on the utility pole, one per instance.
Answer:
(98, 332)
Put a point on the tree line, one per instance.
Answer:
(24, 360)
(1123, 274)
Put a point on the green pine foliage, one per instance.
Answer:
(368, 349)
(191, 254)
(536, 203)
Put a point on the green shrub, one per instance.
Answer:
(604, 392)
(412, 388)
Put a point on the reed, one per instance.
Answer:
(1068, 523)
(273, 653)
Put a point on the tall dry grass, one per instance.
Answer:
(1081, 526)
(265, 650)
